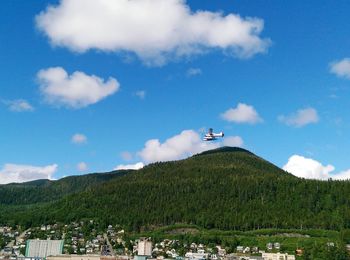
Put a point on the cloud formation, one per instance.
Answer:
(311, 169)
(77, 90)
(19, 105)
(234, 141)
(341, 68)
(243, 113)
(22, 173)
(135, 166)
(191, 72)
(180, 146)
(301, 118)
(153, 30)
(79, 139)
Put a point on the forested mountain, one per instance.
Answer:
(47, 190)
(227, 188)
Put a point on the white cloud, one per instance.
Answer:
(301, 118)
(307, 168)
(154, 30)
(191, 72)
(235, 141)
(82, 166)
(77, 90)
(23, 173)
(180, 146)
(19, 105)
(79, 139)
(141, 94)
(135, 166)
(243, 113)
(311, 169)
(344, 175)
(341, 68)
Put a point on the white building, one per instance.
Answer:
(197, 256)
(277, 256)
(144, 247)
(43, 248)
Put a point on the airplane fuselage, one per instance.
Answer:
(212, 136)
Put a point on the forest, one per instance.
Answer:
(224, 189)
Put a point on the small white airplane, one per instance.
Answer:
(210, 136)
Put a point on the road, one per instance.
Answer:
(108, 244)
(12, 242)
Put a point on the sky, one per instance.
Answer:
(97, 85)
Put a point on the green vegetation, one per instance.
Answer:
(47, 191)
(312, 242)
(226, 189)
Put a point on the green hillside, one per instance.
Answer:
(46, 190)
(226, 189)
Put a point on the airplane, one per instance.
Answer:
(210, 136)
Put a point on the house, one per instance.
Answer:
(239, 249)
(255, 249)
(347, 246)
(246, 250)
(221, 251)
(213, 257)
(269, 246)
(172, 253)
(277, 256)
(196, 256)
(193, 245)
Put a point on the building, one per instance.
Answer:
(43, 248)
(144, 247)
(347, 246)
(277, 246)
(269, 246)
(277, 256)
(200, 255)
(239, 249)
(242, 257)
(83, 257)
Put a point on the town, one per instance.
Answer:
(89, 241)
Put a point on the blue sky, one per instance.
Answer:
(287, 84)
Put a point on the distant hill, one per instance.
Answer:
(226, 188)
(47, 190)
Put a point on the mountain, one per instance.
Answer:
(227, 188)
(47, 190)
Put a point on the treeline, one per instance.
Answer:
(230, 190)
